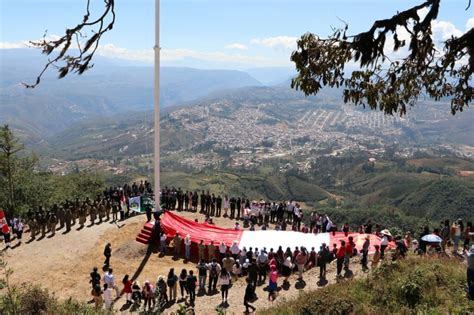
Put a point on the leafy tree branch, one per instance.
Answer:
(68, 60)
(381, 83)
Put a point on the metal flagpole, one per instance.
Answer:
(156, 104)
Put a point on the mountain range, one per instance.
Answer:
(107, 89)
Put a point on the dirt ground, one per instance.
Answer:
(62, 264)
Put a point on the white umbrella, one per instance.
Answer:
(432, 238)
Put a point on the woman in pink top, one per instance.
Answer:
(273, 285)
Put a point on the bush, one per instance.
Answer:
(412, 286)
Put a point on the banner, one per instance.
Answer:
(147, 201)
(135, 204)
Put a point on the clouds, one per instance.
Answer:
(237, 46)
(13, 45)
(285, 42)
(112, 51)
(470, 24)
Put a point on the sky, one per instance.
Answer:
(233, 34)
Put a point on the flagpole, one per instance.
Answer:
(156, 105)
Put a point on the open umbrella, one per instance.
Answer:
(432, 238)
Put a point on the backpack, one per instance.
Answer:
(214, 270)
(202, 270)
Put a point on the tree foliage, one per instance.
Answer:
(382, 83)
(23, 186)
(67, 59)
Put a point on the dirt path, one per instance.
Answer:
(62, 264)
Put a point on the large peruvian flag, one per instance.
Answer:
(172, 224)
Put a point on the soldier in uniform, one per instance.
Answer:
(101, 210)
(218, 205)
(108, 209)
(211, 249)
(33, 227)
(213, 205)
(195, 201)
(208, 203)
(115, 210)
(68, 218)
(186, 201)
(42, 222)
(203, 202)
(202, 250)
(93, 212)
(61, 218)
(179, 196)
(75, 211)
(82, 216)
(53, 221)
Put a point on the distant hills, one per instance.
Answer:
(107, 89)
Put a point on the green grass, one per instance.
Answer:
(413, 286)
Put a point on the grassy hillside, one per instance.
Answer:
(412, 286)
(252, 186)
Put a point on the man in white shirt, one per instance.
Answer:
(110, 281)
(289, 210)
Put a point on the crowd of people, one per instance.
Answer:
(219, 266)
(110, 206)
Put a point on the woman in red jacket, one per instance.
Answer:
(127, 288)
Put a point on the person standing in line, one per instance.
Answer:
(163, 246)
(201, 250)
(202, 274)
(248, 297)
(187, 247)
(224, 282)
(323, 260)
(172, 283)
(148, 296)
(222, 250)
(182, 283)
(340, 254)
(177, 245)
(161, 287)
(211, 250)
(214, 270)
(365, 253)
(107, 254)
(191, 285)
(301, 259)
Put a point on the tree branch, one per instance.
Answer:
(321, 62)
(79, 62)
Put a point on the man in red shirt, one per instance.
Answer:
(340, 254)
(349, 250)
